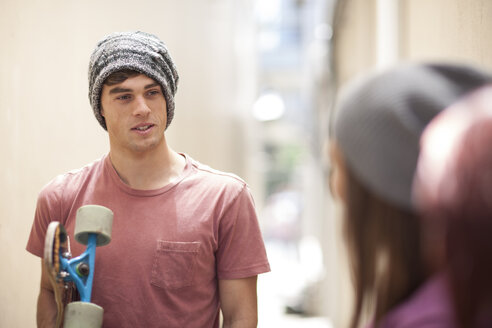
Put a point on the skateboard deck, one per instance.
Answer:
(57, 244)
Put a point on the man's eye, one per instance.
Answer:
(124, 97)
(153, 92)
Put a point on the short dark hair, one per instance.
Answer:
(120, 76)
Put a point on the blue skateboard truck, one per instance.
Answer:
(92, 228)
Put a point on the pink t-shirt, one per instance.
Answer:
(169, 246)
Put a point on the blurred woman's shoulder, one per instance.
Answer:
(429, 307)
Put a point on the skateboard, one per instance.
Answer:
(72, 278)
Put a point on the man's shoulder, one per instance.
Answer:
(72, 179)
(218, 175)
(217, 181)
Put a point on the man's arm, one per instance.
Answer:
(46, 309)
(239, 302)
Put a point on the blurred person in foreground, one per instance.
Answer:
(453, 189)
(186, 240)
(378, 123)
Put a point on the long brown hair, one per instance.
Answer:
(384, 246)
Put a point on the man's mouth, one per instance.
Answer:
(143, 127)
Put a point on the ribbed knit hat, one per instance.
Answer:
(138, 51)
(379, 120)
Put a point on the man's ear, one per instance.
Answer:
(102, 112)
(338, 175)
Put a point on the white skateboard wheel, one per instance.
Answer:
(94, 219)
(83, 315)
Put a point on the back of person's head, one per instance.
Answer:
(453, 188)
(378, 124)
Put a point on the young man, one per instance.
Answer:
(186, 241)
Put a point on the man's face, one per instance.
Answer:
(135, 114)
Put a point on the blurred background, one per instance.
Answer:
(257, 88)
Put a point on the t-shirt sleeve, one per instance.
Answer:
(241, 251)
(47, 210)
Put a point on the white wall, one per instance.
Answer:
(47, 126)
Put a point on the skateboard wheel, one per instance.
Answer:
(83, 315)
(94, 219)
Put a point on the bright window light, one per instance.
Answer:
(268, 107)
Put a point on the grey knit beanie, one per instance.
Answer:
(379, 120)
(138, 51)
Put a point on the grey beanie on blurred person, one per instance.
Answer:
(138, 51)
(379, 120)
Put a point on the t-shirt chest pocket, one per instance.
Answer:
(174, 264)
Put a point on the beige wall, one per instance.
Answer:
(451, 30)
(354, 38)
(46, 124)
(447, 29)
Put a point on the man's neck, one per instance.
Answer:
(148, 170)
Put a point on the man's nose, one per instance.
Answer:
(141, 107)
